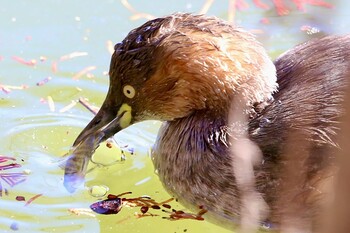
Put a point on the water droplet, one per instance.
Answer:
(143, 181)
(27, 171)
(122, 157)
(267, 225)
(136, 62)
(263, 122)
(139, 39)
(147, 28)
(270, 98)
(114, 155)
(98, 190)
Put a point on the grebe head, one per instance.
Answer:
(170, 67)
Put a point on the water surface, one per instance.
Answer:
(36, 129)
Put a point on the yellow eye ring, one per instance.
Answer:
(129, 91)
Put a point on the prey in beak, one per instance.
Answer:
(103, 126)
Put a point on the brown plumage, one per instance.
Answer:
(187, 71)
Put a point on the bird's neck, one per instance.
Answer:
(197, 133)
(192, 153)
(203, 131)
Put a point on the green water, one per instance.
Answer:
(38, 135)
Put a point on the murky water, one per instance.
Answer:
(54, 52)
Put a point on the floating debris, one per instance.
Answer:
(88, 106)
(82, 211)
(8, 88)
(69, 106)
(179, 214)
(27, 171)
(42, 58)
(14, 226)
(136, 15)
(109, 144)
(10, 178)
(20, 198)
(261, 5)
(300, 4)
(44, 81)
(25, 62)
(264, 21)
(83, 72)
(114, 203)
(33, 198)
(51, 103)
(54, 67)
(309, 29)
(73, 55)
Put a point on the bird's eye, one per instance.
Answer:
(129, 91)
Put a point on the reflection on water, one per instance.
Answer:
(36, 133)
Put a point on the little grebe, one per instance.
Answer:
(187, 70)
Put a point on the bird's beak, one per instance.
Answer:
(110, 119)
